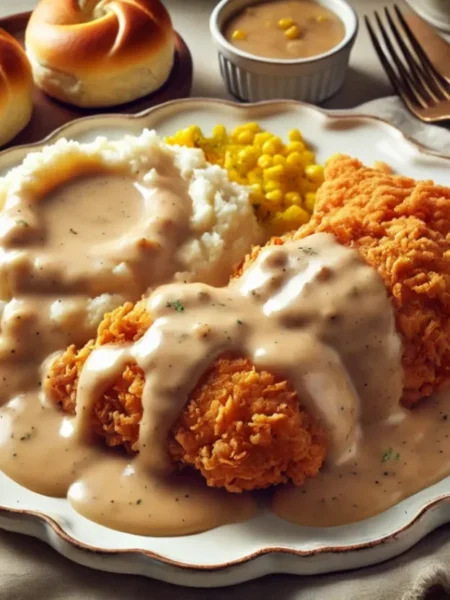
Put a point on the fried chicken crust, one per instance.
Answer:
(243, 429)
(401, 227)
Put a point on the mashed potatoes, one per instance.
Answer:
(190, 223)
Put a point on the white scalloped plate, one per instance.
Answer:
(265, 544)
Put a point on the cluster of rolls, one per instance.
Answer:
(95, 53)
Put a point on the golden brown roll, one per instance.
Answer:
(100, 52)
(16, 87)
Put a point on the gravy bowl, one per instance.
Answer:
(251, 78)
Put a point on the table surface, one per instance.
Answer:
(365, 81)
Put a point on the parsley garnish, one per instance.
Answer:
(389, 455)
(22, 222)
(309, 251)
(138, 501)
(239, 322)
(176, 305)
(73, 231)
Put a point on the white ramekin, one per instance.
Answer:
(251, 78)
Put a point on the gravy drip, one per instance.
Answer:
(320, 29)
(311, 311)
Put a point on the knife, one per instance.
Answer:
(435, 46)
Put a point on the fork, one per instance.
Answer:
(422, 88)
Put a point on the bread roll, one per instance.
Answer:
(95, 53)
(16, 87)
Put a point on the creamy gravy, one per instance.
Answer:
(97, 233)
(285, 29)
(311, 311)
(397, 456)
(40, 449)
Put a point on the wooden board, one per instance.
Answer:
(49, 114)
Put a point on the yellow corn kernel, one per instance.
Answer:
(310, 200)
(265, 161)
(228, 162)
(273, 172)
(293, 198)
(296, 214)
(262, 137)
(270, 147)
(294, 159)
(248, 127)
(270, 186)
(285, 23)
(308, 157)
(219, 131)
(248, 157)
(254, 177)
(257, 189)
(275, 196)
(233, 174)
(245, 137)
(292, 33)
(238, 34)
(295, 136)
(295, 147)
(322, 18)
(252, 126)
(279, 159)
(314, 172)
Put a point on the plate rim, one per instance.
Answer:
(342, 115)
(248, 558)
(37, 516)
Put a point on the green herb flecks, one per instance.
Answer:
(308, 250)
(176, 305)
(390, 455)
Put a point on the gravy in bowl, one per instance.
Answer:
(285, 29)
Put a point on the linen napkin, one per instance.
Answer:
(30, 570)
(391, 109)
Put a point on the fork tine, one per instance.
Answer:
(394, 79)
(418, 70)
(428, 66)
(410, 85)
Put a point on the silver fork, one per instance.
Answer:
(422, 88)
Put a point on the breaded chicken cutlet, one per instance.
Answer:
(401, 227)
(243, 429)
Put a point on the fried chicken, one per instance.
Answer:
(401, 227)
(242, 429)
